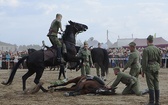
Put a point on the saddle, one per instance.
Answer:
(49, 53)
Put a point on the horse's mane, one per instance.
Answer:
(67, 31)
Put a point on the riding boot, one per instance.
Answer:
(151, 97)
(59, 54)
(64, 48)
(157, 94)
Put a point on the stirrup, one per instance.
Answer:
(60, 60)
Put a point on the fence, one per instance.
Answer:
(122, 61)
(8, 64)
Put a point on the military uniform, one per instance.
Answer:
(53, 31)
(130, 81)
(150, 66)
(133, 62)
(86, 55)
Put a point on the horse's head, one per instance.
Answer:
(72, 30)
(78, 26)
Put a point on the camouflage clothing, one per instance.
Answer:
(86, 55)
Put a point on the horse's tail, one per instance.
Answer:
(13, 71)
(106, 60)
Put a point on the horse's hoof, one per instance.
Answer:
(51, 90)
(5, 83)
(45, 91)
(77, 69)
(66, 94)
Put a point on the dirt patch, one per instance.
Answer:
(13, 94)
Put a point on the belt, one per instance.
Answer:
(134, 63)
(152, 62)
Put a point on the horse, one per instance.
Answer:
(100, 57)
(36, 61)
(60, 67)
(84, 85)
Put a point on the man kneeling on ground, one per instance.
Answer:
(131, 83)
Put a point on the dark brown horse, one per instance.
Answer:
(36, 61)
(100, 57)
(84, 85)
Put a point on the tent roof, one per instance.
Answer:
(109, 44)
(122, 42)
(157, 41)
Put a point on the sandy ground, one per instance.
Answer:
(13, 94)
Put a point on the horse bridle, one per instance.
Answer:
(77, 28)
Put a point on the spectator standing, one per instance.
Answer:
(8, 57)
(16, 57)
(0, 60)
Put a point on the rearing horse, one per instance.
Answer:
(36, 62)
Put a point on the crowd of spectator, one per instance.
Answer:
(8, 59)
(117, 57)
(120, 56)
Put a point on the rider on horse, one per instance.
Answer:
(52, 34)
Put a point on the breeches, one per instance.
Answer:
(134, 72)
(85, 70)
(135, 88)
(55, 41)
(152, 80)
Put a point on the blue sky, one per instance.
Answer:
(25, 22)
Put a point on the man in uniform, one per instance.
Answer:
(134, 61)
(96, 64)
(150, 66)
(86, 55)
(53, 31)
(131, 83)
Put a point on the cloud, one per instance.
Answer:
(10, 3)
(120, 18)
(47, 8)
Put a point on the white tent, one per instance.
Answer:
(122, 42)
(109, 44)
